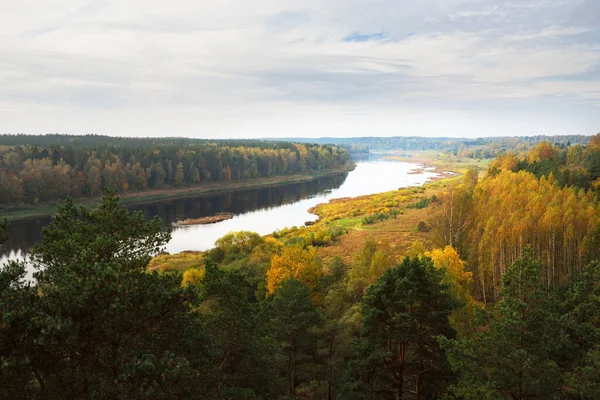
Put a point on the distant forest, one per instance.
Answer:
(49, 167)
(465, 147)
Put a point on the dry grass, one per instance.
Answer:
(397, 234)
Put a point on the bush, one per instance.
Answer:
(423, 203)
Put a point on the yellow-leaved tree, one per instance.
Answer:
(193, 276)
(299, 263)
(449, 259)
(459, 282)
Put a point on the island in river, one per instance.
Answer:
(213, 219)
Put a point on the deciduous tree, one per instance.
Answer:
(299, 263)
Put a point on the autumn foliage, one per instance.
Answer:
(458, 281)
(42, 168)
(513, 210)
(296, 262)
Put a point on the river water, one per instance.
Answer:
(258, 210)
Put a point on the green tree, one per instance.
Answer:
(240, 353)
(179, 178)
(336, 272)
(97, 324)
(192, 174)
(293, 319)
(18, 308)
(236, 245)
(511, 358)
(94, 180)
(369, 264)
(170, 172)
(335, 335)
(157, 175)
(580, 358)
(78, 235)
(397, 354)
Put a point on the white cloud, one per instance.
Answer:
(266, 67)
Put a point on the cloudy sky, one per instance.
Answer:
(260, 68)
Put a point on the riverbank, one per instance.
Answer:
(398, 235)
(408, 232)
(24, 211)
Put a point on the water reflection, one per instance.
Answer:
(24, 234)
(239, 202)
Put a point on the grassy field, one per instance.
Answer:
(397, 234)
(22, 211)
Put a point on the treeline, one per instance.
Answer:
(42, 168)
(464, 147)
(258, 319)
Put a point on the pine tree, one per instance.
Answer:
(293, 318)
(511, 358)
(240, 359)
(397, 354)
(97, 325)
(580, 358)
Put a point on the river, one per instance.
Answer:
(259, 210)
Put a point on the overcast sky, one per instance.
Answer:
(260, 68)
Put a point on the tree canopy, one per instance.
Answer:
(50, 167)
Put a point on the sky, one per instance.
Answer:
(310, 68)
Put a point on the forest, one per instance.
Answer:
(487, 288)
(43, 168)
